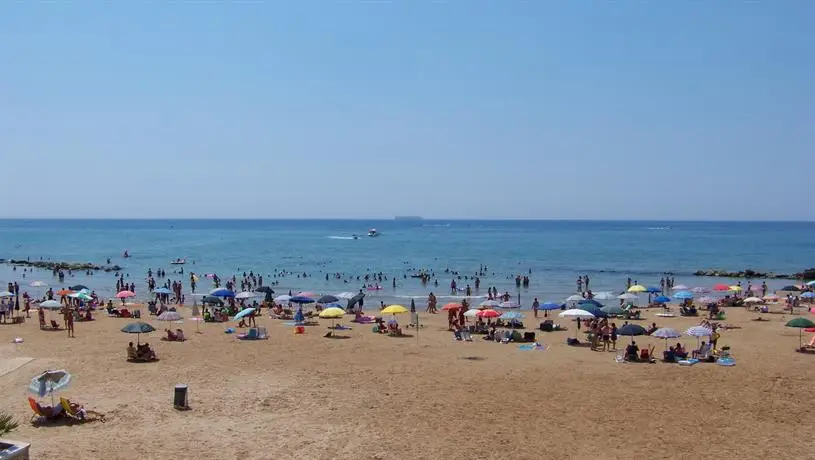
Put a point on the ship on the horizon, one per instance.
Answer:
(408, 218)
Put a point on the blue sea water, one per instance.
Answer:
(555, 252)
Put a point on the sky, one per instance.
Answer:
(458, 109)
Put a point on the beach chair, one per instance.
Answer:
(78, 413)
(39, 413)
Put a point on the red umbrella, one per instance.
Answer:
(721, 287)
(488, 314)
(809, 329)
(125, 294)
(451, 306)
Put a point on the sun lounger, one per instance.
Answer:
(78, 413)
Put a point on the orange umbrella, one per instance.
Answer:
(451, 306)
(65, 292)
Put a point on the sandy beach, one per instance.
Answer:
(379, 397)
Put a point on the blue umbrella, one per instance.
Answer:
(662, 299)
(653, 290)
(222, 292)
(301, 299)
(162, 290)
(808, 295)
(683, 295)
(594, 310)
(551, 306)
(586, 302)
(244, 312)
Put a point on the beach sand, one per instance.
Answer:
(378, 397)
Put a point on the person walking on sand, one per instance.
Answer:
(69, 322)
(535, 306)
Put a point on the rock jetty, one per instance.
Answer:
(73, 266)
(808, 274)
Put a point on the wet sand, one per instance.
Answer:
(376, 397)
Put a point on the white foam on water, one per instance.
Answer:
(341, 237)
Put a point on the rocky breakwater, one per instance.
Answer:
(73, 266)
(807, 274)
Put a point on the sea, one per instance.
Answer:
(551, 253)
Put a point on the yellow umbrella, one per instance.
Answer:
(395, 309)
(332, 313)
(735, 288)
(637, 288)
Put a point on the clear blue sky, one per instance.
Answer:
(468, 109)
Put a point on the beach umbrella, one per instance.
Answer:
(631, 330)
(666, 333)
(245, 295)
(575, 313)
(332, 313)
(612, 310)
(6, 294)
(735, 288)
(800, 323)
(512, 315)
(162, 290)
(169, 316)
(357, 298)
(125, 294)
(301, 299)
(78, 287)
(50, 305)
(721, 287)
(245, 312)
(80, 296)
(700, 290)
(50, 382)
(627, 296)
(653, 290)
(574, 298)
(680, 287)
(490, 303)
(638, 288)
(509, 305)
(212, 300)
(753, 300)
(471, 313)
(590, 302)
(808, 295)
(790, 288)
(222, 292)
(38, 284)
(138, 329)
(451, 306)
(662, 299)
(282, 298)
(488, 313)
(345, 295)
(811, 283)
(548, 306)
(394, 309)
(699, 331)
(683, 295)
(328, 299)
(594, 310)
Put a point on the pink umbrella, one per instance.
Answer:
(125, 294)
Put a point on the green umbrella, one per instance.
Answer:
(613, 310)
(800, 323)
(138, 328)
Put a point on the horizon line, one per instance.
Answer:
(380, 219)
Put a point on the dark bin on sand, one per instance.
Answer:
(180, 397)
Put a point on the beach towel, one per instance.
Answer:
(532, 346)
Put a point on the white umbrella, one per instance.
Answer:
(471, 313)
(245, 295)
(283, 298)
(699, 331)
(627, 296)
(575, 313)
(50, 305)
(574, 298)
(169, 316)
(345, 295)
(666, 333)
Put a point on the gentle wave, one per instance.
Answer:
(657, 228)
(341, 237)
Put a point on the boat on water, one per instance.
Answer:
(373, 233)
(178, 262)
